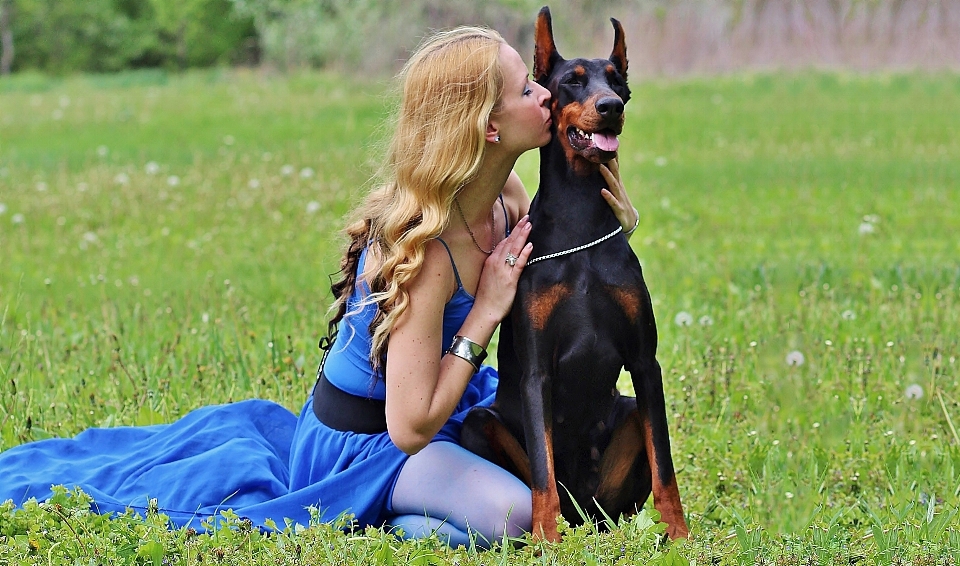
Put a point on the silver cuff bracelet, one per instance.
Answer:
(465, 348)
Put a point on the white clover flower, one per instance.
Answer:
(866, 228)
(683, 318)
(312, 207)
(913, 392)
(205, 318)
(706, 321)
(795, 358)
(306, 173)
(789, 495)
(17, 218)
(152, 168)
(286, 170)
(3, 208)
(660, 161)
(103, 150)
(173, 180)
(254, 183)
(848, 315)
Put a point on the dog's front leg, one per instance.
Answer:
(538, 425)
(648, 383)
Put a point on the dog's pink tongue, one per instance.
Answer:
(606, 142)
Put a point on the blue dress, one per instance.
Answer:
(254, 457)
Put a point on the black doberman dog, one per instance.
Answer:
(581, 314)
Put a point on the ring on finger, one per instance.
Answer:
(511, 259)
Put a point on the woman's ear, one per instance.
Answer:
(493, 132)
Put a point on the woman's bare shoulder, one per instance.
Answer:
(515, 197)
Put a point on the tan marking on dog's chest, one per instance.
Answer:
(542, 304)
(628, 300)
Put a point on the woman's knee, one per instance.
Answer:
(509, 507)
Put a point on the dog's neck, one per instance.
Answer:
(568, 205)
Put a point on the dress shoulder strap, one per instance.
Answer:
(506, 217)
(452, 263)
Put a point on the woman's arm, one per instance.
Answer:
(518, 202)
(422, 388)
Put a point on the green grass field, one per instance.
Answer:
(166, 242)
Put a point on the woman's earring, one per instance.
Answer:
(496, 139)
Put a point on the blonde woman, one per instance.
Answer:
(431, 268)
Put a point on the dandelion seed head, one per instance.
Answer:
(286, 170)
(103, 150)
(173, 180)
(866, 228)
(41, 186)
(914, 391)
(3, 208)
(660, 161)
(795, 358)
(254, 183)
(64, 101)
(306, 173)
(228, 140)
(683, 318)
(312, 207)
(788, 495)
(205, 318)
(90, 237)
(706, 321)
(57, 114)
(82, 187)
(121, 179)
(17, 218)
(152, 168)
(848, 315)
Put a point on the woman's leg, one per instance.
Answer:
(450, 490)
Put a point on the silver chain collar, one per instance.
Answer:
(578, 248)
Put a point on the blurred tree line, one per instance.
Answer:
(665, 37)
(62, 36)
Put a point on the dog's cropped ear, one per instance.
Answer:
(619, 54)
(545, 54)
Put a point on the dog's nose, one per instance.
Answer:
(610, 107)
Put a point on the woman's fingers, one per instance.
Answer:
(616, 196)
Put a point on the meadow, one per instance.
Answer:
(166, 242)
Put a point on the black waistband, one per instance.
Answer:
(343, 411)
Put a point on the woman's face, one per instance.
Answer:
(523, 120)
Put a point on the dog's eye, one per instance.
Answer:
(573, 81)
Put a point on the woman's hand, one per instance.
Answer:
(616, 196)
(501, 271)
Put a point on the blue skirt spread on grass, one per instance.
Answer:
(254, 457)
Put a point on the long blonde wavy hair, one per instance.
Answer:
(448, 90)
